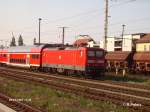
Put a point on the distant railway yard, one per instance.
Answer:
(52, 92)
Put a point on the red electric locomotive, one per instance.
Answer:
(74, 59)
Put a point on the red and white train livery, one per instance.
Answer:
(46, 57)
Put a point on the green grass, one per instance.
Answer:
(129, 78)
(55, 101)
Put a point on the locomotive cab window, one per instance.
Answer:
(91, 53)
(99, 54)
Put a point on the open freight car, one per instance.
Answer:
(141, 61)
(119, 60)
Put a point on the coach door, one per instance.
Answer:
(28, 59)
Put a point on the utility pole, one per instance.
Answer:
(63, 35)
(106, 25)
(123, 28)
(40, 31)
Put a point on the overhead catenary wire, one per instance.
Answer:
(92, 12)
(87, 13)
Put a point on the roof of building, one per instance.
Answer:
(82, 42)
(144, 39)
(142, 56)
(142, 34)
(117, 56)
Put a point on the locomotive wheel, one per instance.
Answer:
(46, 69)
(54, 70)
(81, 74)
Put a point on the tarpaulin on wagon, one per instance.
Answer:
(142, 56)
(117, 56)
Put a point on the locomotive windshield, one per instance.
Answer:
(91, 53)
(97, 54)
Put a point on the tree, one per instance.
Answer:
(20, 41)
(34, 41)
(1, 47)
(13, 42)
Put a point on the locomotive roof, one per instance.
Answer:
(71, 48)
(25, 48)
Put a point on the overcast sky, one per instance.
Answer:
(80, 16)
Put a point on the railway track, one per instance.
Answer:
(134, 98)
(16, 105)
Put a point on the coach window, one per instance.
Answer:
(4, 55)
(23, 61)
(19, 60)
(38, 56)
(35, 56)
